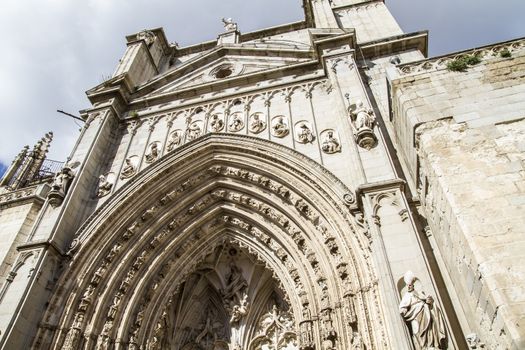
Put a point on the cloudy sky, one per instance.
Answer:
(54, 50)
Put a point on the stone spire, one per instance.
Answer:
(29, 165)
(15, 165)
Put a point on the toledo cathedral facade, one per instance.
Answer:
(317, 185)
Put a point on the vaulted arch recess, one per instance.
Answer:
(226, 243)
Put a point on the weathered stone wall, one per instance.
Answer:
(462, 138)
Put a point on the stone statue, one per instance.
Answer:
(60, 186)
(104, 186)
(73, 335)
(229, 24)
(423, 318)
(175, 139)
(256, 123)
(153, 154)
(240, 310)
(194, 131)
(216, 123)
(330, 143)
(280, 128)
(364, 118)
(236, 123)
(235, 283)
(147, 35)
(304, 134)
(128, 170)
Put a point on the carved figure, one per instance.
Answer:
(256, 123)
(73, 335)
(304, 133)
(194, 131)
(363, 117)
(104, 186)
(146, 35)
(240, 310)
(128, 170)
(216, 123)
(423, 318)
(279, 127)
(175, 139)
(60, 186)
(153, 154)
(236, 123)
(229, 24)
(235, 283)
(330, 143)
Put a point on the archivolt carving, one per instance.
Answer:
(130, 265)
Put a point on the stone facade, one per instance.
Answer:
(319, 185)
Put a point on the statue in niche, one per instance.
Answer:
(236, 123)
(73, 335)
(304, 133)
(128, 170)
(153, 154)
(60, 186)
(229, 25)
(363, 120)
(174, 140)
(279, 127)
(423, 318)
(216, 123)
(330, 143)
(194, 131)
(256, 123)
(104, 186)
(235, 283)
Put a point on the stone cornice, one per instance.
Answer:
(395, 44)
(209, 45)
(243, 80)
(440, 62)
(33, 194)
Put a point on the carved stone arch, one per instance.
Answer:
(173, 200)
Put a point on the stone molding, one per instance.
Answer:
(440, 62)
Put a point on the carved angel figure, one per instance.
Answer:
(216, 123)
(229, 24)
(104, 186)
(236, 122)
(153, 153)
(256, 123)
(280, 128)
(304, 134)
(330, 143)
(128, 170)
(423, 318)
(175, 139)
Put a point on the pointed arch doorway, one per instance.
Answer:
(229, 243)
